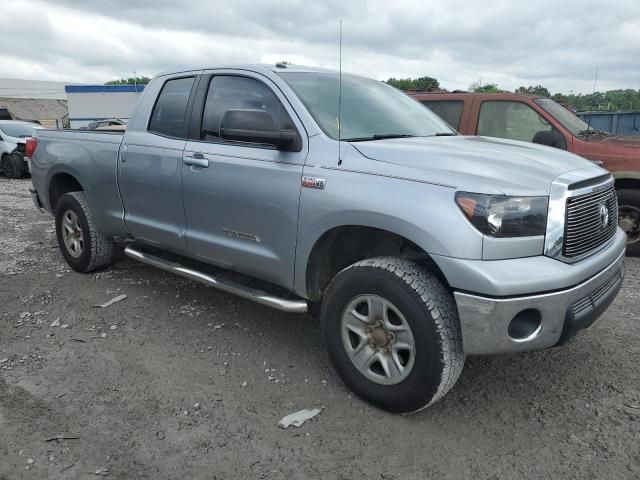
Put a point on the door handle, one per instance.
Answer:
(196, 160)
(123, 153)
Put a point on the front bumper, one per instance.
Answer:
(486, 321)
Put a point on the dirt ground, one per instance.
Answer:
(181, 381)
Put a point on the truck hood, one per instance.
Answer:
(480, 164)
(10, 144)
(15, 140)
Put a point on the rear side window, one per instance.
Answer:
(448, 110)
(169, 113)
(230, 93)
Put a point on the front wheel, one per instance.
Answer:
(83, 246)
(392, 332)
(12, 166)
(629, 218)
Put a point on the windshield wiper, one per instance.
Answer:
(592, 131)
(445, 134)
(379, 136)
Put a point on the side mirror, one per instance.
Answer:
(255, 126)
(549, 138)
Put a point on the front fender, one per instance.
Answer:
(425, 214)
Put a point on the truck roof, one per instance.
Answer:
(256, 67)
(452, 95)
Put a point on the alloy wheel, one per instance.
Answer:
(378, 339)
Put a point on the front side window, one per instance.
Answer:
(572, 123)
(448, 110)
(169, 113)
(228, 92)
(512, 120)
(369, 109)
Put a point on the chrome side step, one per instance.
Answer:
(292, 306)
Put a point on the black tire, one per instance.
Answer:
(427, 307)
(12, 166)
(20, 164)
(97, 250)
(629, 218)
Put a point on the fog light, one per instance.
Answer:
(525, 325)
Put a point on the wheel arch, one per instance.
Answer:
(629, 180)
(60, 183)
(344, 245)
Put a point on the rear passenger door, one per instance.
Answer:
(449, 110)
(241, 199)
(150, 167)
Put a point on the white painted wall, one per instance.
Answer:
(87, 107)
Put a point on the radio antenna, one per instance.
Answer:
(593, 101)
(340, 100)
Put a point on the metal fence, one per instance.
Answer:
(621, 123)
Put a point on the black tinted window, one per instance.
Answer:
(169, 113)
(448, 110)
(231, 93)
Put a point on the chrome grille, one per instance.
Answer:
(585, 230)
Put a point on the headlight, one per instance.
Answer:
(502, 216)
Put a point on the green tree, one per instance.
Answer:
(479, 87)
(423, 84)
(622, 99)
(537, 90)
(130, 81)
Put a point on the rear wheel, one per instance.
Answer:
(629, 218)
(392, 333)
(83, 246)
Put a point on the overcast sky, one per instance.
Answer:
(555, 43)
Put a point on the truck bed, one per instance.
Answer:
(83, 135)
(93, 157)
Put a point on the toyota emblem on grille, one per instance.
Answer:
(604, 216)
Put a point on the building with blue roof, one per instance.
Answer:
(90, 103)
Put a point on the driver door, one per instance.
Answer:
(516, 121)
(241, 199)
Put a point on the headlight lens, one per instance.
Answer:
(501, 216)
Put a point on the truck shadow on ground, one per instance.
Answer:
(524, 382)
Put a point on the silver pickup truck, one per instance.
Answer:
(417, 245)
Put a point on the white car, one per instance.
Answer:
(13, 136)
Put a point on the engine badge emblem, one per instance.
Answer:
(314, 182)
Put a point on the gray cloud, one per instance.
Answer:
(512, 43)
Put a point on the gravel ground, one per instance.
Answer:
(181, 381)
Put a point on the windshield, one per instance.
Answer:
(370, 109)
(562, 115)
(20, 130)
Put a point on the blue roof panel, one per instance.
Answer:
(102, 88)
